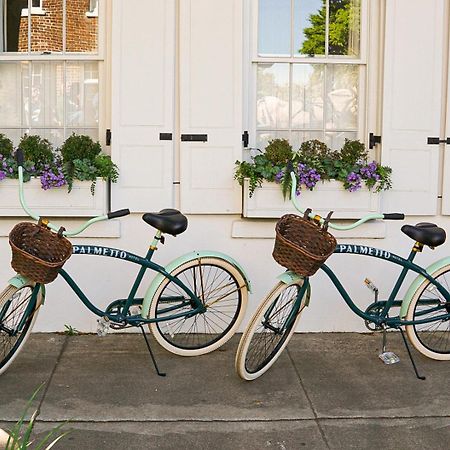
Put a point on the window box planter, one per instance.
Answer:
(267, 201)
(54, 202)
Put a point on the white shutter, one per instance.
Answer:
(211, 104)
(142, 103)
(412, 103)
(446, 189)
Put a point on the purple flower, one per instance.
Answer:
(2, 175)
(279, 176)
(369, 172)
(307, 177)
(51, 178)
(353, 182)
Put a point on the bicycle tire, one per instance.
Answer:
(219, 283)
(251, 361)
(431, 339)
(10, 346)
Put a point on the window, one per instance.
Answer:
(308, 70)
(49, 70)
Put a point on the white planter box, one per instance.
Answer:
(267, 201)
(54, 202)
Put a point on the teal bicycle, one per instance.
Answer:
(424, 310)
(192, 306)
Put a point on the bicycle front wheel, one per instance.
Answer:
(269, 330)
(13, 305)
(222, 290)
(432, 339)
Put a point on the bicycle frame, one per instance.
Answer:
(123, 305)
(385, 305)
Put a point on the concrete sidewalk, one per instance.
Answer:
(326, 391)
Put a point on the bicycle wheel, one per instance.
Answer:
(265, 337)
(432, 339)
(223, 291)
(13, 304)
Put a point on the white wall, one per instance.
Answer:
(105, 278)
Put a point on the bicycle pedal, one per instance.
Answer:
(103, 325)
(389, 357)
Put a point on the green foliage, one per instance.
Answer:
(38, 150)
(279, 151)
(6, 146)
(70, 330)
(106, 169)
(79, 147)
(316, 162)
(343, 18)
(353, 152)
(20, 435)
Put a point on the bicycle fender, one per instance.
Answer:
(289, 277)
(19, 281)
(417, 282)
(159, 278)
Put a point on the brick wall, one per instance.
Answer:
(46, 30)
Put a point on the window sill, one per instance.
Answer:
(34, 12)
(54, 202)
(267, 201)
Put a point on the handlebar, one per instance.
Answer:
(111, 215)
(385, 216)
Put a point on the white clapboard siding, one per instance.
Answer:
(412, 103)
(210, 103)
(143, 44)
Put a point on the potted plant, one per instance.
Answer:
(79, 167)
(344, 181)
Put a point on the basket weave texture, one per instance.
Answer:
(37, 252)
(301, 245)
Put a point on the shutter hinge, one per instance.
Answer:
(437, 141)
(108, 137)
(374, 140)
(245, 139)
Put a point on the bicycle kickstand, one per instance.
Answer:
(420, 377)
(161, 374)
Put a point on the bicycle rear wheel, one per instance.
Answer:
(222, 290)
(432, 339)
(13, 305)
(268, 332)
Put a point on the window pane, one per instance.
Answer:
(344, 27)
(309, 27)
(263, 137)
(298, 137)
(13, 27)
(82, 27)
(342, 97)
(307, 96)
(274, 27)
(273, 96)
(46, 96)
(47, 29)
(11, 93)
(335, 140)
(82, 94)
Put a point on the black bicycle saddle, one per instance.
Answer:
(169, 221)
(426, 233)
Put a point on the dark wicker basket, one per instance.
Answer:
(301, 245)
(37, 252)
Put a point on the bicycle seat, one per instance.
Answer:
(169, 221)
(426, 233)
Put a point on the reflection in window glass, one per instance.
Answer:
(273, 96)
(309, 27)
(274, 27)
(47, 29)
(13, 27)
(344, 27)
(81, 27)
(342, 97)
(52, 99)
(307, 96)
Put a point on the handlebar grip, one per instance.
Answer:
(19, 157)
(119, 213)
(393, 216)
